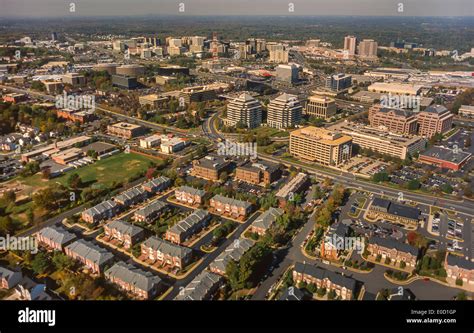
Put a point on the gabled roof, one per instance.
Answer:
(189, 221)
(156, 182)
(390, 243)
(198, 289)
(131, 194)
(6, 273)
(459, 262)
(57, 235)
(101, 208)
(151, 208)
(90, 251)
(125, 227)
(157, 244)
(134, 276)
(234, 251)
(267, 219)
(191, 190)
(231, 201)
(321, 274)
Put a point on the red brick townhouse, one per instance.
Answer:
(189, 195)
(150, 212)
(103, 211)
(54, 238)
(203, 287)
(140, 283)
(396, 251)
(92, 256)
(266, 220)
(125, 233)
(166, 253)
(459, 268)
(157, 185)
(234, 252)
(231, 207)
(131, 197)
(189, 226)
(9, 278)
(322, 278)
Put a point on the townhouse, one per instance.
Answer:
(131, 197)
(54, 238)
(295, 185)
(234, 251)
(166, 253)
(222, 205)
(124, 233)
(343, 286)
(103, 211)
(459, 268)
(92, 256)
(189, 226)
(29, 290)
(157, 185)
(133, 280)
(334, 241)
(150, 212)
(202, 287)
(266, 220)
(394, 212)
(189, 195)
(9, 278)
(394, 250)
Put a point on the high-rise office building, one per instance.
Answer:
(321, 107)
(287, 73)
(339, 82)
(278, 53)
(350, 44)
(320, 145)
(284, 111)
(54, 36)
(368, 49)
(244, 110)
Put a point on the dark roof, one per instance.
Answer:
(382, 203)
(158, 244)
(321, 273)
(293, 294)
(200, 287)
(460, 262)
(436, 109)
(135, 276)
(404, 211)
(398, 112)
(57, 235)
(393, 244)
(90, 251)
(125, 228)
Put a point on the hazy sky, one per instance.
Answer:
(48, 8)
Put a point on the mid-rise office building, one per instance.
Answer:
(284, 111)
(244, 110)
(339, 82)
(394, 120)
(368, 49)
(434, 119)
(287, 73)
(320, 145)
(321, 107)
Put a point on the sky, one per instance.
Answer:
(61, 8)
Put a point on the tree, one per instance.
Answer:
(40, 263)
(30, 169)
(74, 181)
(413, 184)
(6, 225)
(9, 197)
(61, 261)
(380, 177)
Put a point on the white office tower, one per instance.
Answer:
(284, 111)
(245, 110)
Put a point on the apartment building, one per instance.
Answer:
(335, 234)
(397, 252)
(133, 280)
(9, 278)
(54, 238)
(393, 212)
(165, 253)
(210, 167)
(380, 140)
(90, 255)
(284, 111)
(188, 227)
(261, 172)
(434, 119)
(103, 211)
(150, 212)
(234, 252)
(350, 44)
(189, 195)
(244, 110)
(320, 145)
(278, 53)
(459, 268)
(394, 120)
(126, 130)
(368, 49)
(343, 286)
(321, 107)
(266, 220)
(123, 233)
(234, 208)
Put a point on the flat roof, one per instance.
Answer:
(446, 154)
